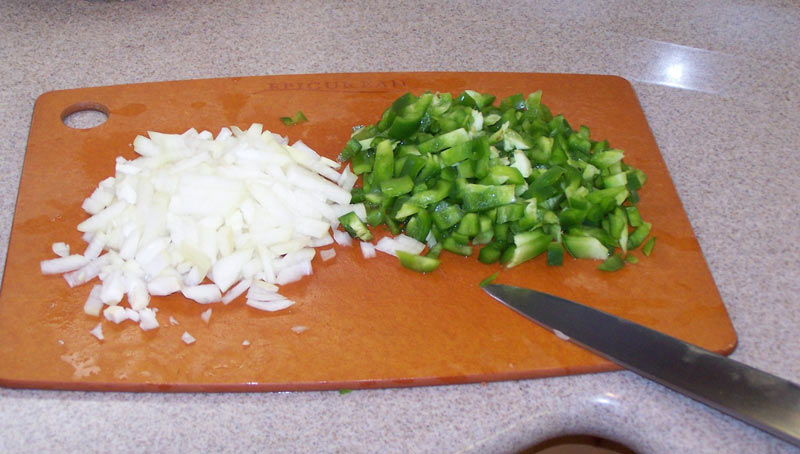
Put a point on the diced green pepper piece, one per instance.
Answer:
(533, 101)
(527, 246)
(647, 249)
(446, 215)
(362, 162)
(469, 225)
(489, 254)
(584, 247)
(460, 238)
(457, 153)
(571, 216)
(442, 141)
(501, 232)
(297, 118)
(471, 98)
(612, 263)
(412, 166)
(418, 263)
(634, 218)
(394, 187)
(512, 140)
(365, 133)
(355, 227)
(466, 169)
(432, 167)
(606, 159)
(435, 251)
(431, 196)
(515, 101)
(601, 234)
(350, 149)
(479, 197)
(636, 179)
(375, 217)
(383, 168)
(501, 174)
(638, 236)
(450, 244)
(489, 279)
(577, 143)
(510, 213)
(555, 254)
(618, 179)
(419, 226)
(407, 120)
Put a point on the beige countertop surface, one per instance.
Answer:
(718, 81)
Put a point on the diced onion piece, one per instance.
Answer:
(342, 238)
(246, 343)
(270, 306)
(63, 264)
(100, 220)
(293, 273)
(61, 249)
(206, 316)
(164, 285)
(203, 294)
(348, 179)
(145, 146)
(97, 331)
(560, 335)
(187, 338)
(113, 288)
(299, 329)
(93, 304)
(236, 291)
(132, 315)
(367, 249)
(115, 314)
(327, 254)
(85, 273)
(228, 270)
(147, 319)
(401, 242)
(172, 321)
(138, 298)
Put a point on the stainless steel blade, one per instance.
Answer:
(751, 395)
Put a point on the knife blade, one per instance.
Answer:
(760, 399)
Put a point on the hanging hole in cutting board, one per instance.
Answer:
(84, 115)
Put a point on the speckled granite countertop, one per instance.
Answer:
(719, 84)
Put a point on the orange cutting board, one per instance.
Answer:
(371, 323)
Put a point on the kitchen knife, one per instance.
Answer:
(753, 396)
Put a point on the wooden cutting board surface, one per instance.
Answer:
(371, 323)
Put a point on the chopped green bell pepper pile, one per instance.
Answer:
(509, 178)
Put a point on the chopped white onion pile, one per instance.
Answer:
(212, 218)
